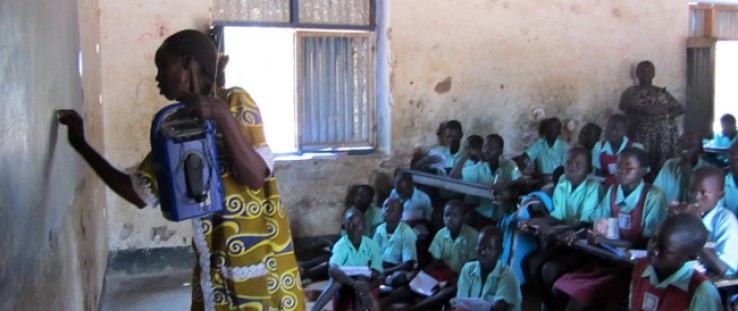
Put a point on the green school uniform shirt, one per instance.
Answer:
(419, 202)
(547, 158)
(705, 298)
(571, 205)
(604, 146)
(500, 285)
(455, 253)
(730, 198)
(672, 180)
(372, 220)
(654, 208)
(722, 229)
(400, 246)
(368, 254)
(481, 173)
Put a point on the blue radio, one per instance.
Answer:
(186, 163)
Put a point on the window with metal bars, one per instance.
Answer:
(309, 65)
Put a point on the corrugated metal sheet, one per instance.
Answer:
(700, 90)
(335, 92)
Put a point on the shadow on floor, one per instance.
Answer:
(170, 291)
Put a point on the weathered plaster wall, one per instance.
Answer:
(131, 31)
(53, 252)
(572, 58)
(499, 60)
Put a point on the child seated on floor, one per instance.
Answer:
(396, 241)
(720, 255)
(494, 171)
(639, 209)
(675, 173)
(472, 153)
(363, 200)
(417, 206)
(665, 280)
(548, 151)
(730, 198)
(575, 200)
(605, 153)
(442, 158)
(355, 268)
(452, 247)
(488, 278)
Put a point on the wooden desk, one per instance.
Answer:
(451, 184)
(602, 253)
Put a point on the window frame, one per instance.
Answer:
(366, 147)
(332, 30)
(297, 24)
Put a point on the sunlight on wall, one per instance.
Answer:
(726, 74)
(262, 62)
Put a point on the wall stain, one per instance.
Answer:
(616, 13)
(443, 86)
(161, 234)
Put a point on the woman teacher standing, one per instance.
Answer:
(652, 112)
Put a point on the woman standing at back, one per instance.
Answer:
(652, 112)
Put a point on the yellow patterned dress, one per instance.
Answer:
(244, 256)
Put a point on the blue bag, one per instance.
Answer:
(186, 164)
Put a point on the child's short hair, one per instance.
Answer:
(688, 229)
(710, 171)
(643, 64)
(492, 231)
(583, 151)
(727, 118)
(453, 124)
(368, 188)
(401, 175)
(475, 141)
(594, 128)
(454, 203)
(498, 138)
(620, 119)
(349, 214)
(638, 153)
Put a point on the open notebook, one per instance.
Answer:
(424, 284)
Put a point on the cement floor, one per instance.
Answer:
(169, 291)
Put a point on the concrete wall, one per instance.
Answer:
(53, 252)
(499, 61)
